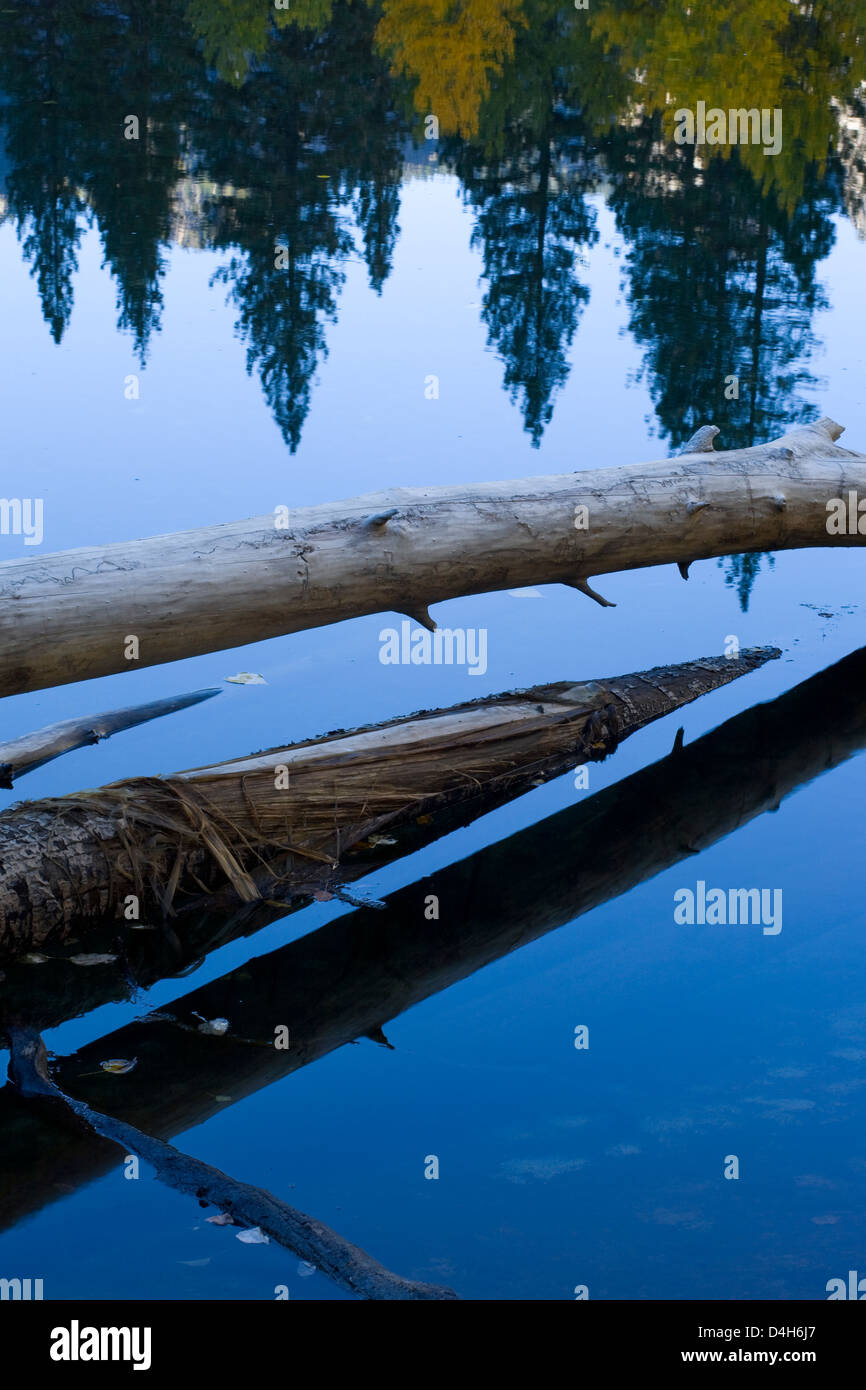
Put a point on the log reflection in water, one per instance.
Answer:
(345, 980)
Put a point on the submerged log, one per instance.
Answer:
(70, 616)
(25, 754)
(345, 1263)
(283, 820)
(349, 978)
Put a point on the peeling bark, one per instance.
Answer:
(283, 820)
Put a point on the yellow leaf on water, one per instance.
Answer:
(119, 1065)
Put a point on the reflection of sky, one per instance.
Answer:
(558, 1167)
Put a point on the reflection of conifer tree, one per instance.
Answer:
(529, 226)
(151, 70)
(526, 180)
(707, 248)
(73, 73)
(309, 139)
(721, 283)
(40, 143)
(310, 132)
(376, 204)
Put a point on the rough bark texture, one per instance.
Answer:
(285, 818)
(346, 980)
(67, 617)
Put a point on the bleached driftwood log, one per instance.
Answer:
(281, 821)
(70, 616)
(25, 754)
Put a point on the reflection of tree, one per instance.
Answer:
(70, 158)
(40, 143)
(723, 240)
(287, 121)
(453, 51)
(530, 224)
(525, 176)
(721, 284)
(151, 71)
(235, 34)
(309, 142)
(768, 55)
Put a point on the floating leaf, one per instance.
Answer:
(254, 1236)
(322, 895)
(223, 1100)
(34, 958)
(119, 1066)
(246, 678)
(423, 820)
(216, 1026)
(223, 1219)
(139, 926)
(382, 840)
(92, 959)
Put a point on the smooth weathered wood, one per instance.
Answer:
(67, 617)
(25, 754)
(283, 820)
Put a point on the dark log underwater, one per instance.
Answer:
(347, 979)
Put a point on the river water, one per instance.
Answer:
(495, 261)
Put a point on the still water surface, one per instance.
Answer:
(582, 289)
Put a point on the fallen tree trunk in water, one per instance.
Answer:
(70, 616)
(348, 978)
(283, 819)
(25, 754)
(348, 1265)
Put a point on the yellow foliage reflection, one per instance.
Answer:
(454, 50)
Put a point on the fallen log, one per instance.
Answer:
(284, 819)
(25, 754)
(345, 1263)
(349, 978)
(72, 616)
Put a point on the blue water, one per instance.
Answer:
(558, 1167)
